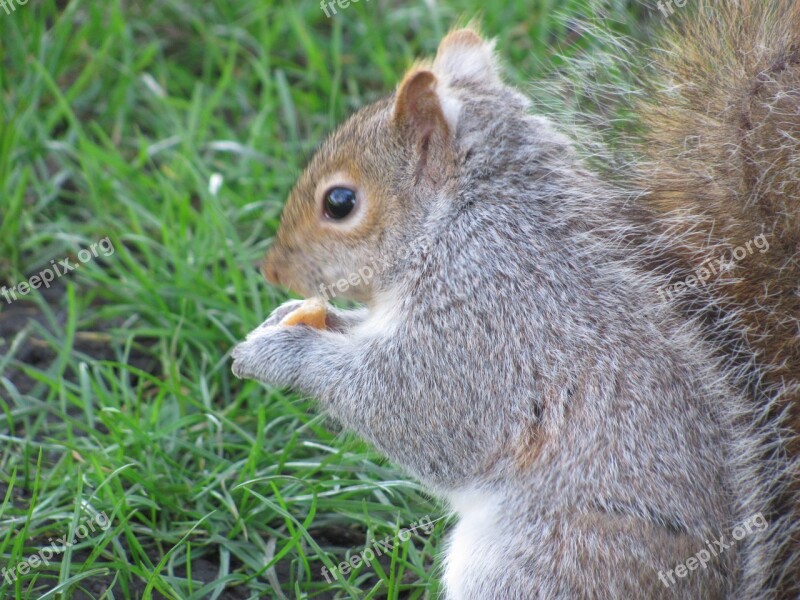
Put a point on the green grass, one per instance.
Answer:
(115, 384)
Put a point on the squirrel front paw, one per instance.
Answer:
(270, 354)
(281, 351)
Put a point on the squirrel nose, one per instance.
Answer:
(269, 266)
(270, 273)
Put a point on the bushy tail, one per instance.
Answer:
(722, 129)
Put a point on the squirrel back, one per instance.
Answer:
(722, 170)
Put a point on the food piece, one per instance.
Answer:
(312, 312)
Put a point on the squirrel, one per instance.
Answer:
(590, 372)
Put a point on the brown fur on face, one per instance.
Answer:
(407, 133)
(300, 257)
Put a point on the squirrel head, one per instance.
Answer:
(381, 180)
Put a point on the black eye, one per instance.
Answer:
(339, 202)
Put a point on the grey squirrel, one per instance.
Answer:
(517, 352)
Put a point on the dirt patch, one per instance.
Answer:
(36, 352)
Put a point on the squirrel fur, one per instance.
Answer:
(516, 351)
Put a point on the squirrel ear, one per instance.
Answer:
(464, 55)
(419, 116)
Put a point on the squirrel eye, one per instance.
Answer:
(339, 202)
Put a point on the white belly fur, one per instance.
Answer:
(473, 546)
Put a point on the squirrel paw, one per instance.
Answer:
(274, 354)
(256, 357)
